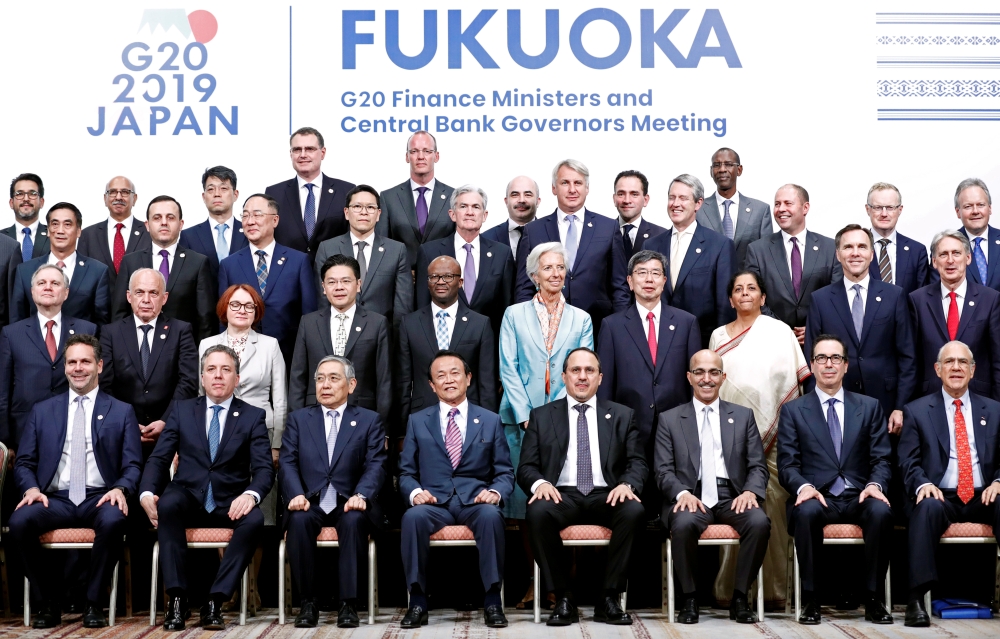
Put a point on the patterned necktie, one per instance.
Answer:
(119, 250)
(627, 238)
(165, 265)
(884, 266)
(50, 340)
(261, 271)
(421, 206)
(221, 249)
(444, 341)
(340, 339)
(796, 268)
(572, 241)
(453, 439)
(362, 262)
(677, 257)
(727, 220)
(857, 310)
(328, 498)
(469, 273)
(144, 349)
(833, 423)
(214, 433)
(78, 454)
(966, 487)
(709, 488)
(309, 215)
(953, 316)
(584, 465)
(27, 246)
(980, 259)
(651, 338)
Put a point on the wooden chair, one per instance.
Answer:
(968, 533)
(582, 535)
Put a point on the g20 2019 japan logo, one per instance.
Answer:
(167, 89)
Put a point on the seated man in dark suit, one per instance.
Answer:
(631, 196)
(582, 463)
(89, 292)
(898, 259)
(225, 470)
(221, 234)
(721, 480)
(834, 462)
(522, 200)
(27, 197)
(487, 266)
(949, 457)
(111, 239)
(330, 476)
(454, 470)
(78, 463)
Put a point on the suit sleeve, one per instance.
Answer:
(529, 468)
(279, 397)
(621, 295)
(507, 283)
(131, 462)
(911, 454)
(26, 461)
(503, 470)
(923, 269)
(383, 372)
(906, 361)
(837, 274)
(7, 436)
(524, 288)
(409, 473)
(664, 464)
(20, 302)
(510, 375)
(306, 287)
(994, 337)
(224, 275)
(918, 356)
(208, 321)
(637, 469)
(587, 335)
(881, 471)
(261, 463)
(486, 375)
(298, 381)
(757, 473)
(752, 261)
(154, 474)
(373, 476)
(288, 460)
(322, 254)
(119, 296)
(606, 355)
(694, 339)
(725, 268)
(766, 227)
(15, 260)
(382, 227)
(422, 294)
(404, 382)
(403, 304)
(107, 377)
(789, 455)
(102, 299)
(187, 366)
(814, 328)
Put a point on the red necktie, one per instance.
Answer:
(965, 484)
(50, 339)
(652, 336)
(953, 317)
(119, 246)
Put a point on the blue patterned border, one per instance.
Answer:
(938, 88)
(968, 115)
(938, 18)
(938, 39)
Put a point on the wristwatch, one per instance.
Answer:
(630, 486)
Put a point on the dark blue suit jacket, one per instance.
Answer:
(113, 431)
(632, 378)
(330, 220)
(598, 283)
(912, 269)
(290, 292)
(924, 446)
(200, 238)
(27, 375)
(992, 258)
(499, 233)
(646, 232)
(242, 462)
(89, 291)
(485, 463)
(978, 329)
(882, 363)
(701, 284)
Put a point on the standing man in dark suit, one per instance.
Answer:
(190, 293)
(344, 329)
(956, 308)
(27, 196)
(723, 478)
(742, 219)
(833, 459)
(949, 456)
(110, 240)
(793, 262)
(311, 203)
(386, 279)
(218, 484)
(522, 203)
(454, 470)
(282, 276)
(898, 259)
(596, 268)
(631, 196)
(10, 259)
(487, 266)
(582, 462)
(415, 212)
(79, 463)
(699, 261)
(324, 487)
(221, 234)
(973, 205)
(89, 292)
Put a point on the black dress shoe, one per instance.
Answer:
(415, 617)
(689, 611)
(875, 612)
(810, 616)
(47, 617)
(308, 616)
(176, 613)
(740, 611)
(347, 617)
(494, 617)
(564, 613)
(916, 616)
(211, 616)
(93, 617)
(608, 611)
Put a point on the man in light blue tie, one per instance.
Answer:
(27, 197)
(973, 205)
(222, 233)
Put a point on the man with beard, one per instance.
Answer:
(27, 196)
(110, 240)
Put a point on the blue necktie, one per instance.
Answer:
(833, 422)
(572, 242)
(584, 466)
(261, 271)
(857, 310)
(980, 257)
(442, 331)
(214, 431)
(727, 221)
(309, 217)
(328, 498)
(144, 349)
(27, 246)
(220, 241)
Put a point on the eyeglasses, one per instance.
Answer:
(297, 150)
(249, 307)
(714, 373)
(358, 208)
(643, 273)
(122, 192)
(447, 278)
(333, 379)
(960, 361)
(416, 152)
(835, 359)
(727, 165)
(212, 190)
(884, 209)
(256, 217)
(20, 195)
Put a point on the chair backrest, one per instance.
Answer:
(4, 456)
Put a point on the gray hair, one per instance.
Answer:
(531, 265)
(968, 183)
(693, 182)
(34, 276)
(507, 190)
(343, 361)
(131, 184)
(574, 165)
(131, 278)
(644, 256)
(415, 134)
(220, 348)
(972, 358)
(462, 190)
(955, 235)
(884, 186)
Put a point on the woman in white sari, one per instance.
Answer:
(764, 367)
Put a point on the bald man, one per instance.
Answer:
(122, 233)
(522, 200)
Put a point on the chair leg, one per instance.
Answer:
(788, 577)
(503, 604)
(3, 580)
(244, 587)
(927, 602)
(668, 551)
(888, 588)
(375, 574)
(252, 588)
(372, 607)
(760, 594)
(128, 582)
(996, 587)
(114, 595)
(152, 587)
(537, 606)
(281, 583)
(798, 583)
(27, 603)
(623, 598)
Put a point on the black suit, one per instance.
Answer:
(10, 259)
(40, 240)
(201, 239)
(678, 463)
(89, 294)
(646, 231)
(622, 460)
(330, 220)
(94, 243)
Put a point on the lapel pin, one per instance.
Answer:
(671, 327)
(748, 209)
(465, 319)
(972, 303)
(489, 254)
(730, 420)
(353, 423)
(357, 328)
(102, 417)
(236, 414)
(815, 248)
(442, 196)
(281, 261)
(697, 250)
(998, 242)
(330, 190)
(181, 255)
(906, 248)
(475, 421)
(878, 299)
(381, 249)
(137, 233)
(645, 236)
(608, 416)
(590, 224)
(241, 230)
(72, 332)
(42, 233)
(982, 421)
(162, 336)
(81, 262)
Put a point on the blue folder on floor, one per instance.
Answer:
(960, 609)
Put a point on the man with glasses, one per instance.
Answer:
(973, 205)
(386, 282)
(833, 459)
(222, 233)
(27, 196)
(110, 240)
(898, 259)
(740, 218)
(281, 275)
(311, 203)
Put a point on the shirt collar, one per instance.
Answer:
(226, 403)
(228, 222)
(643, 311)
(511, 224)
(34, 230)
(139, 322)
(801, 237)
(348, 312)
(430, 185)
(960, 291)
(463, 409)
(592, 402)
(561, 215)
(720, 200)
(70, 259)
(128, 222)
(460, 244)
(57, 319)
(972, 236)
(318, 181)
(92, 395)
(269, 249)
(865, 281)
(688, 231)
(172, 249)
(355, 239)
(824, 398)
(338, 409)
(949, 401)
(636, 222)
(700, 405)
(892, 237)
(452, 310)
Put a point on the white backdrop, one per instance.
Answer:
(803, 105)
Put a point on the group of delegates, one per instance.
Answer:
(569, 369)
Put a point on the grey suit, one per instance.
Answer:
(677, 464)
(752, 223)
(399, 217)
(767, 258)
(388, 285)
(10, 257)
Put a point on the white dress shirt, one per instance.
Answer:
(713, 422)
(327, 422)
(427, 194)
(635, 227)
(849, 286)
(367, 250)
(985, 244)
(226, 234)
(643, 312)
(680, 241)
(449, 321)
(890, 250)
(304, 193)
(513, 234)
(69, 264)
(734, 208)
(787, 239)
(139, 334)
(62, 476)
(460, 253)
(56, 328)
(335, 323)
(268, 254)
(112, 231)
(959, 297)
(950, 478)
(564, 226)
(839, 409)
(171, 252)
(567, 477)
(19, 232)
